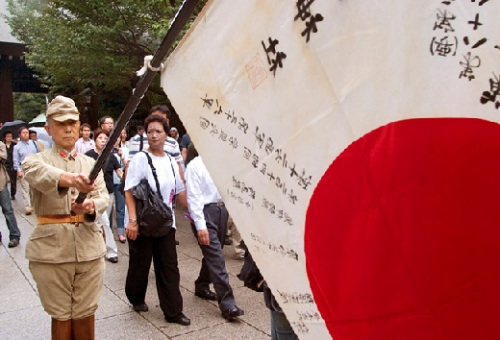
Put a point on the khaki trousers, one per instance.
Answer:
(25, 188)
(69, 290)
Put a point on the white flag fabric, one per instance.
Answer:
(356, 147)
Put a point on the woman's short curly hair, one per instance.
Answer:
(156, 118)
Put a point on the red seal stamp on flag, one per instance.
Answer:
(256, 71)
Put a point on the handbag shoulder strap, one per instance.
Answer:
(153, 169)
(173, 171)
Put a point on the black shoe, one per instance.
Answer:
(181, 319)
(206, 294)
(227, 241)
(176, 242)
(13, 243)
(232, 313)
(113, 259)
(140, 307)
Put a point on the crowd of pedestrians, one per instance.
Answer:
(54, 177)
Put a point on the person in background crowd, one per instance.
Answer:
(84, 143)
(143, 248)
(21, 150)
(123, 139)
(106, 123)
(69, 273)
(174, 134)
(138, 138)
(110, 166)
(185, 141)
(233, 235)
(5, 203)
(34, 137)
(121, 153)
(9, 163)
(139, 131)
(209, 225)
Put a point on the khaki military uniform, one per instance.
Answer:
(66, 259)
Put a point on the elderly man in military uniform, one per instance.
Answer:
(66, 249)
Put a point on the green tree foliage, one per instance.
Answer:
(96, 45)
(28, 105)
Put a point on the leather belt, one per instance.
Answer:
(215, 204)
(51, 219)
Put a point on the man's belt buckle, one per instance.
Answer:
(76, 219)
(53, 219)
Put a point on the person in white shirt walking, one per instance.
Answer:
(209, 225)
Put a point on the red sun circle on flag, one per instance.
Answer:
(402, 236)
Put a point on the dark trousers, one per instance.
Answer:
(280, 327)
(164, 254)
(213, 265)
(13, 182)
(8, 212)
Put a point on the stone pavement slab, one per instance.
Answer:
(23, 317)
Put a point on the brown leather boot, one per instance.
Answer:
(83, 329)
(61, 330)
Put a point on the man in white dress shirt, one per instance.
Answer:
(209, 225)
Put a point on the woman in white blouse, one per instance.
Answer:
(161, 250)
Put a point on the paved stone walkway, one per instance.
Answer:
(22, 316)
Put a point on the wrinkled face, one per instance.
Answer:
(64, 134)
(156, 135)
(24, 135)
(101, 140)
(86, 133)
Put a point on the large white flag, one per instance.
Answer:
(356, 145)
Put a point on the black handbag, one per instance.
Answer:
(153, 215)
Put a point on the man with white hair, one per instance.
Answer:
(66, 249)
